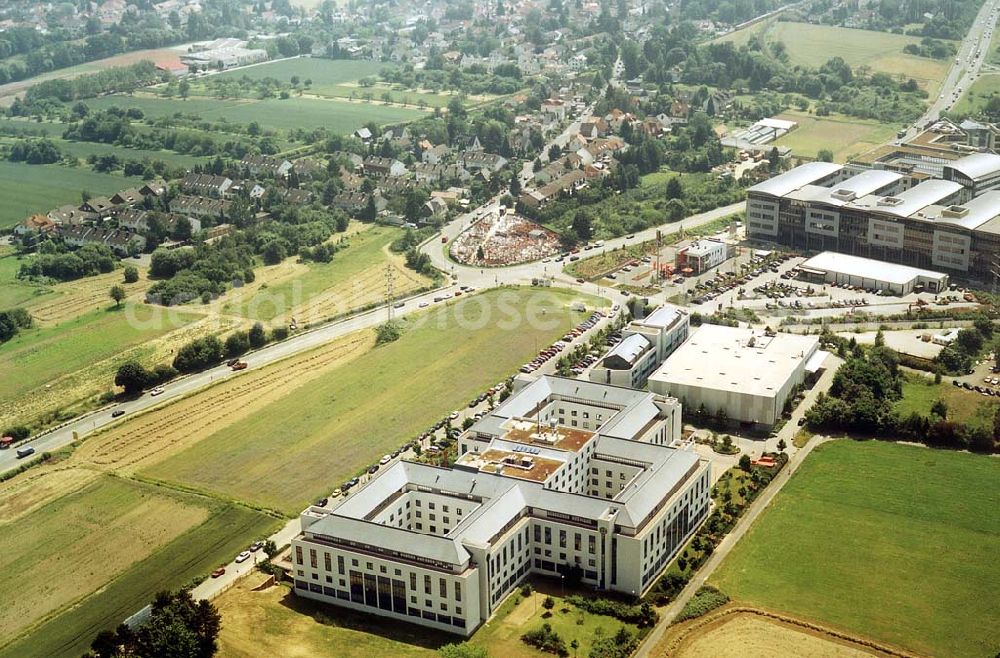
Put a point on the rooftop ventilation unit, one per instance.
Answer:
(955, 211)
(891, 201)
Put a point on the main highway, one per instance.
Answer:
(973, 51)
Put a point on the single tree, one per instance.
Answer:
(131, 274)
(549, 603)
(118, 294)
(782, 445)
(132, 377)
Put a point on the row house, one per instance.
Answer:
(121, 241)
(199, 206)
(268, 165)
(475, 161)
(206, 184)
(378, 166)
(440, 173)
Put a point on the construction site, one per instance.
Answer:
(504, 239)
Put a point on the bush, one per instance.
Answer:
(641, 615)
(279, 333)
(237, 343)
(131, 274)
(706, 599)
(547, 640)
(199, 354)
(257, 336)
(12, 321)
(387, 332)
(18, 432)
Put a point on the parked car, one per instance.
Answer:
(243, 557)
(385, 460)
(256, 546)
(218, 572)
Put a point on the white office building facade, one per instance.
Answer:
(608, 500)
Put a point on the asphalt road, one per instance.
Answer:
(966, 68)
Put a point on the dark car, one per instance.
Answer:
(322, 502)
(373, 469)
(117, 413)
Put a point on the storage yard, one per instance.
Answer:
(506, 239)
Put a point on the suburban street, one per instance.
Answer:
(964, 70)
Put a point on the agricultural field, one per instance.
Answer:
(750, 636)
(899, 539)
(62, 354)
(73, 537)
(812, 45)
(845, 136)
(919, 393)
(296, 626)
(354, 278)
(272, 114)
(13, 89)
(177, 558)
(301, 445)
(29, 189)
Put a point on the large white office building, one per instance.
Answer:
(567, 477)
(646, 342)
(747, 373)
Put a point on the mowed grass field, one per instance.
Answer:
(332, 79)
(28, 189)
(919, 393)
(812, 45)
(976, 97)
(893, 542)
(844, 135)
(300, 446)
(273, 114)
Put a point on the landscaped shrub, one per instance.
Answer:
(706, 599)
(547, 640)
(641, 615)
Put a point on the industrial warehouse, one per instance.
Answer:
(952, 223)
(566, 477)
(744, 375)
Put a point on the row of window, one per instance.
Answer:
(384, 598)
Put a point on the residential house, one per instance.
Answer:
(436, 207)
(353, 203)
(153, 188)
(439, 173)
(269, 165)
(475, 161)
(554, 108)
(36, 224)
(435, 154)
(363, 134)
(206, 184)
(567, 183)
(379, 167)
(128, 197)
(68, 215)
(199, 206)
(98, 207)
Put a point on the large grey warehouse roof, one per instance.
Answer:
(977, 165)
(800, 176)
(877, 270)
(916, 198)
(865, 183)
(969, 215)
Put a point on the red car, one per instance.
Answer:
(218, 572)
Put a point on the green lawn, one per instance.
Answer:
(919, 393)
(40, 355)
(845, 136)
(302, 445)
(273, 114)
(13, 291)
(976, 97)
(184, 557)
(29, 189)
(321, 71)
(812, 45)
(331, 78)
(894, 542)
